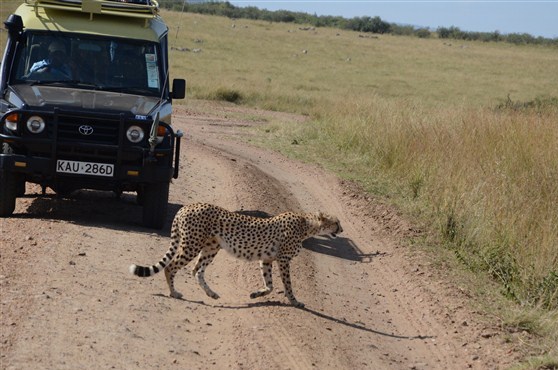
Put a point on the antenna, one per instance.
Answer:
(180, 22)
(153, 135)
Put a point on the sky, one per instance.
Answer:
(535, 17)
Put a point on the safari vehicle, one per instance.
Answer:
(85, 102)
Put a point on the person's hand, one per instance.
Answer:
(44, 69)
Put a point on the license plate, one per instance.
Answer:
(85, 168)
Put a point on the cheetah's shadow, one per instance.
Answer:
(253, 305)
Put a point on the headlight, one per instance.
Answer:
(11, 121)
(135, 134)
(36, 124)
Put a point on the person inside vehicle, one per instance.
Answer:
(55, 66)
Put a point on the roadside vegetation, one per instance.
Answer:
(462, 136)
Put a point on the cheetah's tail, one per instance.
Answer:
(145, 271)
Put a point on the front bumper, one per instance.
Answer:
(43, 171)
(35, 158)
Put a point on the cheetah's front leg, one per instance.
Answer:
(268, 281)
(284, 267)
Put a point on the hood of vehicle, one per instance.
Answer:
(72, 98)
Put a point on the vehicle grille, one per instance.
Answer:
(103, 131)
(86, 154)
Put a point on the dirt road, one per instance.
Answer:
(68, 301)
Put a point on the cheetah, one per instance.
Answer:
(203, 229)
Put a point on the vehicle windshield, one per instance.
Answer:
(88, 62)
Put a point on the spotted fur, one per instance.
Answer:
(201, 230)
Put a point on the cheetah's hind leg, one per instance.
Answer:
(179, 261)
(205, 257)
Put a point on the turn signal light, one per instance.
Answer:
(11, 121)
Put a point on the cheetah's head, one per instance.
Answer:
(328, 225)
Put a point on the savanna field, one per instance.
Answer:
(461, 136)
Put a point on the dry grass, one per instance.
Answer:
(485, 179)
(7, 7)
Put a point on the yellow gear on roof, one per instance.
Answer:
(95, 17)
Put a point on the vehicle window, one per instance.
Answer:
(108, 64)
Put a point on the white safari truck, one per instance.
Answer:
(85, 102)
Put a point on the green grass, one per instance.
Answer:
(267, 63)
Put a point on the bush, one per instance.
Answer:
(422, 33)
(226, 94)
(539, 104)
(514, 38)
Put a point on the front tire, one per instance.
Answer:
(155, 199)
(8, 193)
(20, 186)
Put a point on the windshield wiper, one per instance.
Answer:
(140, 90)
(72, 83)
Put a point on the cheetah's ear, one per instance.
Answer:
(322, 217)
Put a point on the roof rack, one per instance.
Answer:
(146, 9)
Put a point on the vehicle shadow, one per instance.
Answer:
(101, 209)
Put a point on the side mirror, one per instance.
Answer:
(14, 25)
(178, 88)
